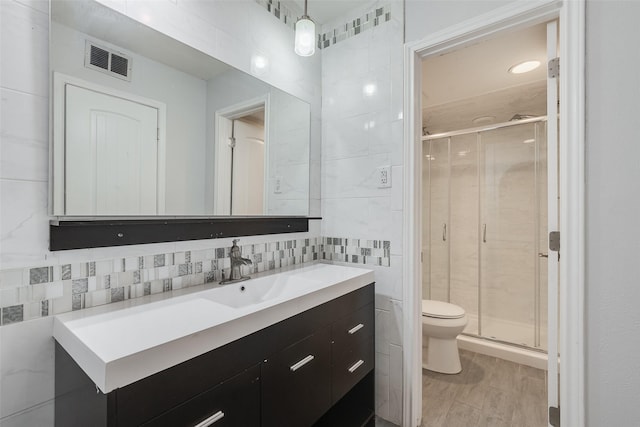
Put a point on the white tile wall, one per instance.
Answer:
(233, 31)
(362, 130)
(26, 366)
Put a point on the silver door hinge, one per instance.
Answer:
(158, 134)
(554, 241)
(554, 416)
(554, 68)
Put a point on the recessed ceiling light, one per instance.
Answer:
(483, 120)
(524, 67)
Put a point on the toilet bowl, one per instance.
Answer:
(441, 324)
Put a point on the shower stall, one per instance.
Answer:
(485, 228)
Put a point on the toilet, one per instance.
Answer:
(442, 322)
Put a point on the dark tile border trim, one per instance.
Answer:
(64, 235)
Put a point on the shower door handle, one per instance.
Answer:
(484, 233)
(444, 232)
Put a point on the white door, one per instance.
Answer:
(248, 170)
(552, 217)
(111, 155)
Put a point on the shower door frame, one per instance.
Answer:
(571, 16)
(478, 131)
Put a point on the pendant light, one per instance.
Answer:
(305, 40)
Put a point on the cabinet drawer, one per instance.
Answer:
(348, 331)
(235, 402)
(296, 382)
(351, 366)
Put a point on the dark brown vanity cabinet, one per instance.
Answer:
(313, 368)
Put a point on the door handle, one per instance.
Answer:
(444, 232)
(355, 328)
(484, 233)
(301, 363)
(543, 255)
(212, 419)
(356, 365)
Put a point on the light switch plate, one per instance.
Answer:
(384, 176)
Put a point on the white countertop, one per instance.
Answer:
(121, 343)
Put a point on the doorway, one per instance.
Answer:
(571, 212)
(485, 216)
(241, 159)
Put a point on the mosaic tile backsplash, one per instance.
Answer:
(280, 11)
(357, 251)
(31, 293)
(352, 28)
(366, 22)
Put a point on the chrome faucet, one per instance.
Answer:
(235, 273)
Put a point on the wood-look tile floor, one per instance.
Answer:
(489, 392)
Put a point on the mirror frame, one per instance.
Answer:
(84, 234)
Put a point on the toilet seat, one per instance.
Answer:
(441, 310)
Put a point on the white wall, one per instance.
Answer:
(613, 209)
(362, 131)
(424, 17)
(234, 31)
(185, 99)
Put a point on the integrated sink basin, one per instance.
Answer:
(120, 343)
(261, 290)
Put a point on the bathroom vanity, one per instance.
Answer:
(294, 348)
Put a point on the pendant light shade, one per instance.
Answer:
(305, 38)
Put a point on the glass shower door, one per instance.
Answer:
(436, 161)
(509, 234)
(463, 220)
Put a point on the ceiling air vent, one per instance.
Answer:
(116, 64)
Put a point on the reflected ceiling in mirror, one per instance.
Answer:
(144, 125)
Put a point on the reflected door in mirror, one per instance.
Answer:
(111, 154)
(247, 183)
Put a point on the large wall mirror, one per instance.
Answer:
(144, 125)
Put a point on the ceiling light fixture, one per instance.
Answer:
(483, 120)
(305, 30)
(524, 67)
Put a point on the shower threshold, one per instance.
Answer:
(524, 355)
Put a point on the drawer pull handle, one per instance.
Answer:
(356, 328)
(301, 363)
(356, 366)
(212, 419)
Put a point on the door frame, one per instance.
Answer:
(571, 15)
(222, 151)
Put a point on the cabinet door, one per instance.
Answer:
(296, 383)
(235, 402)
